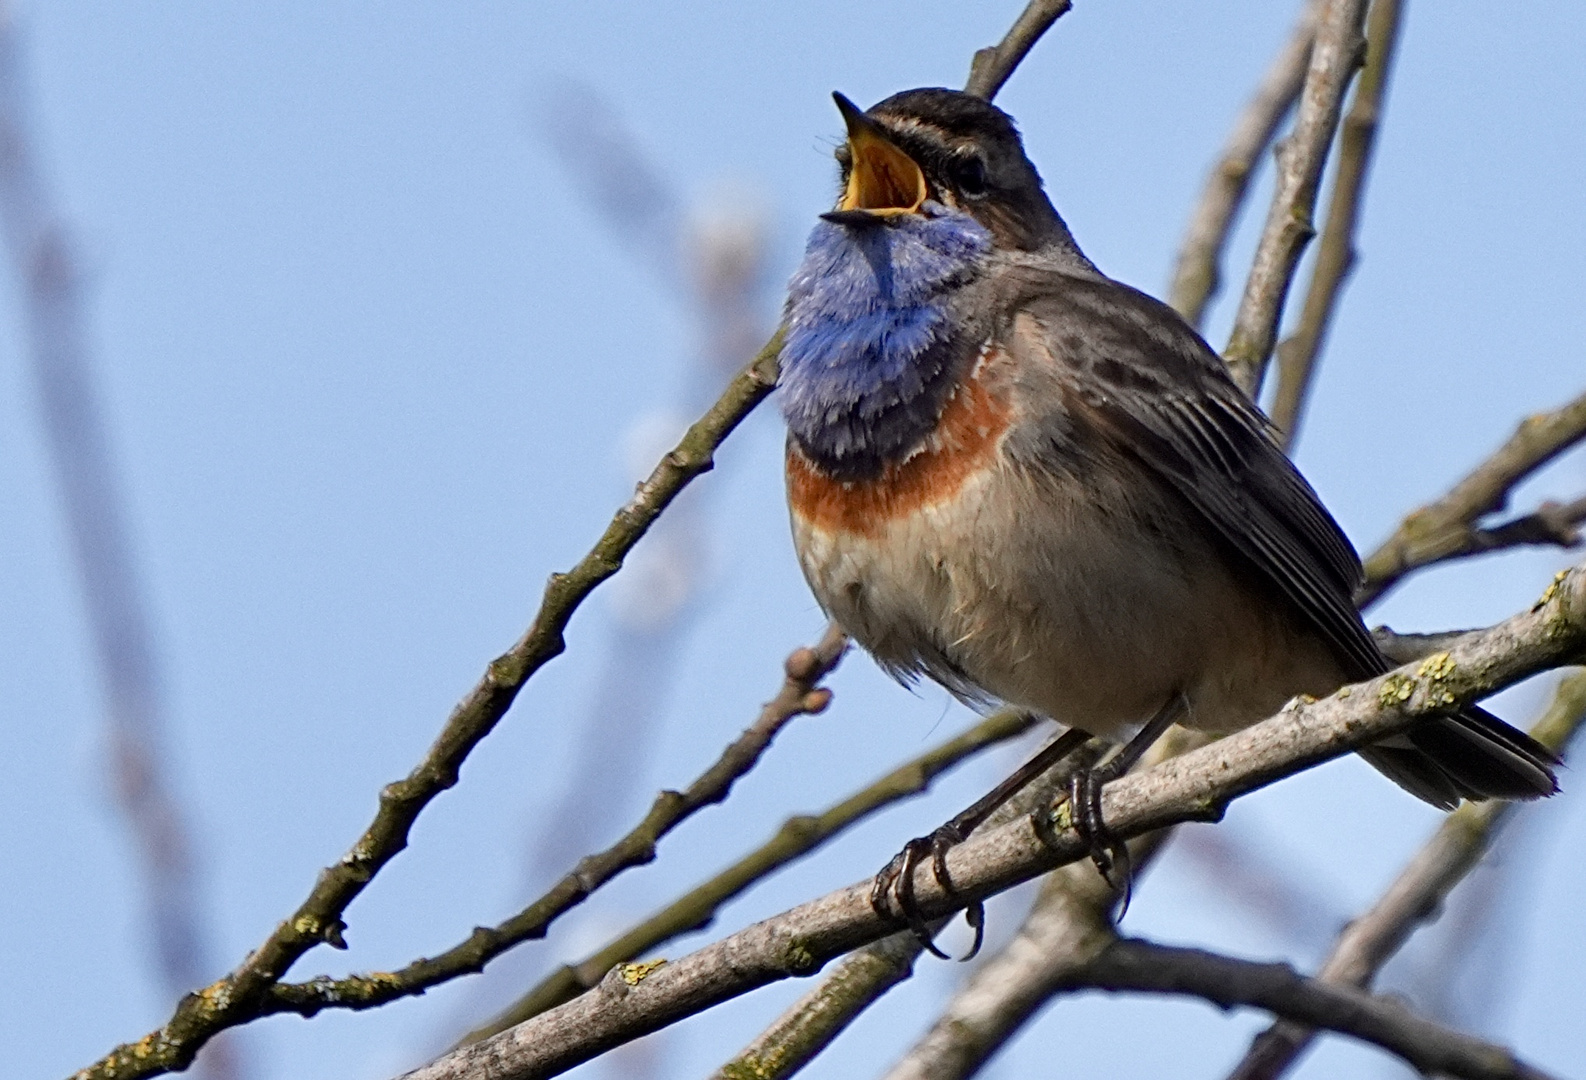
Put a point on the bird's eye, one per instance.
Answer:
(969, 176)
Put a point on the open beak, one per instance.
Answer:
(883, 181)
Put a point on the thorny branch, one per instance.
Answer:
(237, 997)
(800, 695)
(1448, 529)
(1335, 251)
(1196, 786)
(1197, 275)
(796, 837)
(1334, 57)
(1416, 896)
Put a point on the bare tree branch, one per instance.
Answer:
(318, 920)
(796, 837)
(992, 66)
(809, 1025)
(800, 695)
(1070, 922)
(1195, 787)
(1334, 57)
(1197, 275)
(1416, 895)
(1058, 933)
(1448, 529)
(861, 978)
(1140, 966)
(1406, 648)
(1335, 251)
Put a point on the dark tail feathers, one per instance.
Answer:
(1471, 755)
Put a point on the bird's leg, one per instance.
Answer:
(1110, 854)
(896, 880)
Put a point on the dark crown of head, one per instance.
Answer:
(946, 130)
(952, 111)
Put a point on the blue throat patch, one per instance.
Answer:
(870, 344)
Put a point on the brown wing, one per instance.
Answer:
(1166, 398)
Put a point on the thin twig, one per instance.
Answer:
(1335, 251)
(1197, 275)
(862, 978)
(1416, 895)
(797, 836)
(1447, 528)
(800, 695)
(1406, 648)
(1334, 57)
(992, 66)
(318, 920)
(1434, 1050)
(631, 1002)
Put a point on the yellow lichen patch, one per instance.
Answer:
(1345, 691)
(799, 957)
(146, 1047)
(753, 1067)
(1437, 666)
(634, 974)
(1396, 690)
(1550, 592)
(216, 996)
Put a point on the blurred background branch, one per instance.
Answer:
(1198, 273)
(142, 765)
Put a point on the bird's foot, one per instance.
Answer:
(892, 893)
(1110, 854)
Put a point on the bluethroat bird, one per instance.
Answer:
(1039, 486)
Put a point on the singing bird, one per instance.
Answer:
(1039, 486)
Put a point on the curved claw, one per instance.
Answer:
(975, 916)
(1110, 854)
(944, 840)
(892, 893)
(881, 888)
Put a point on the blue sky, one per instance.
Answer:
(369, 360)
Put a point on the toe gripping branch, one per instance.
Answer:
(892, 894)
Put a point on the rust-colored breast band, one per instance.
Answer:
(965, 442)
